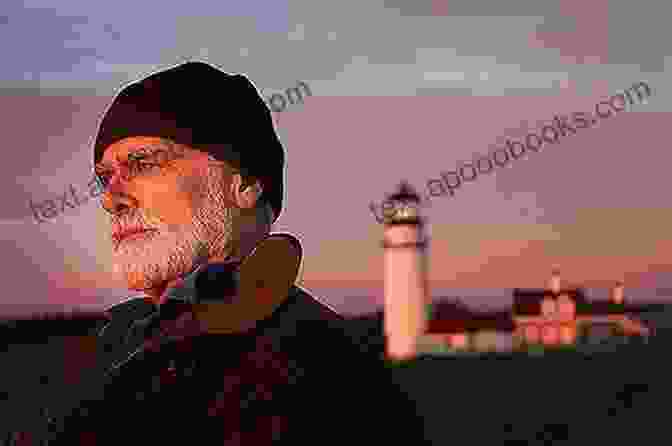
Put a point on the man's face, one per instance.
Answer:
(177, 197)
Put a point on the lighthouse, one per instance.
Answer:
(405, 274)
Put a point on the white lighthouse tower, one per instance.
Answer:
(405, 275)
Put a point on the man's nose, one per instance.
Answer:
(115, 195)
(116, 203)
(116, 199)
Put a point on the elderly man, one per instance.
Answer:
(222, 347)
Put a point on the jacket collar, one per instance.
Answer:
(205, 283)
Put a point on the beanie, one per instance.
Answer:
(201, 106)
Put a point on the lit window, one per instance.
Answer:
(550, 334)
(568, 334)
(548, 307)
(566, 307)
(532, 333)
(459, 340)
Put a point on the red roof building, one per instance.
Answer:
(550, 317)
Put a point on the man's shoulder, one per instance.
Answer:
(299, 312)
(126, 306)
(310, 322)
(309, 306)
(120, 315)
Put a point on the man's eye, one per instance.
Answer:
(103, 177)
(141, 160)
(142, 166)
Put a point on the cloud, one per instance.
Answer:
(101, 66)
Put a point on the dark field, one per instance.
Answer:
(615, 396)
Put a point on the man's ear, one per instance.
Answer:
(245, 196)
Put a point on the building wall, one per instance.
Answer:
(493, 340)
(561, 326)
(546, 332)
(532, 333)
(568, 334)
(602, 332)
(431, 342)
(459, 340)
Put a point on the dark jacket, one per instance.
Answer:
(301, 374)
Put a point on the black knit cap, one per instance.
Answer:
(199, 105)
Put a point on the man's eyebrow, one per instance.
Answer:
(159, 147)
(148, 150)
(145, 150)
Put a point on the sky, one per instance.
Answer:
(400, 91)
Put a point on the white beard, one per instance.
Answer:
(177, 250)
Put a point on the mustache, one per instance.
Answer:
(135, 218)
(124, 223)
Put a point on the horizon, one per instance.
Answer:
(357, 302)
